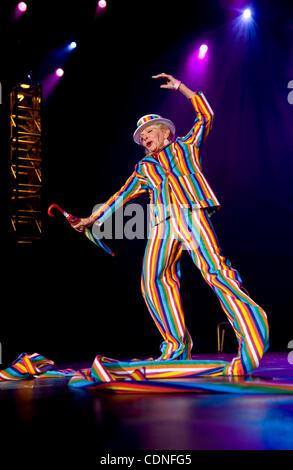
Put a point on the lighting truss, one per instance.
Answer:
(25, 162)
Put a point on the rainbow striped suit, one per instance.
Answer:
(176, 169)
(181, 205)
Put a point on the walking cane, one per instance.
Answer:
(87, 232)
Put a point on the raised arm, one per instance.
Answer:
(204, 113)
(203, 120)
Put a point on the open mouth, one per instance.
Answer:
(149, 143)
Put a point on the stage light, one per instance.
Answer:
(22, 6)
(59, 72)
(100, 8)
(72, 45)
(246, 15)
(102, 3)
(50, 83)
(202, 51)
(19, 10)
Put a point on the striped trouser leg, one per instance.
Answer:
(248, 319)
(160, 284)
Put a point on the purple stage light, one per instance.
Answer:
(19, 10)
(101, 7)
(102, 3)
(50, 83)
(59, 72)
(22, 6)
(202, 51)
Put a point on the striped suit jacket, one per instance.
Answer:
(172, 176)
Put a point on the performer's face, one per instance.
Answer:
(152, 138)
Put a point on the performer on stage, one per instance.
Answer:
(182, 203)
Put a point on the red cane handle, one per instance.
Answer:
(73, 221)
(71, 218)
(58, 208)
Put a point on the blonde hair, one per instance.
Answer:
(163, 127)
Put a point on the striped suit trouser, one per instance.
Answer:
(193, 230)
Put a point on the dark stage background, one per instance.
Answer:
(69, 300)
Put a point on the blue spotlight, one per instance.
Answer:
(72, 45)
(246, 15)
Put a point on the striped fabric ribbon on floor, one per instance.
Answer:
(138, 376)
(27, 366)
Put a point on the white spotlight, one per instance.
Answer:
(246, 15)
(72, 45)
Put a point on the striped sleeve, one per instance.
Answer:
(134, 186)
(203, 120)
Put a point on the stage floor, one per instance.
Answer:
(47, 414)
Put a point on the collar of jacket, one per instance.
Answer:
(150, 159)
(153, 157)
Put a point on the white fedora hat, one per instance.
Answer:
(144, 121)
